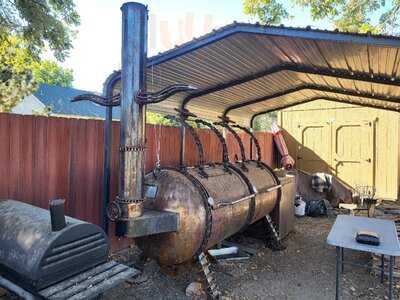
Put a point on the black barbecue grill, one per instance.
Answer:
(47, 255)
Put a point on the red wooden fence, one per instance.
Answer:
(45, 158)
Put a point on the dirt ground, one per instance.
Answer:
(305, 270)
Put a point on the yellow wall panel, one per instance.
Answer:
(381, 142)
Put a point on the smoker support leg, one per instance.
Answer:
(275, 243)
(382, 267)
(211, 285)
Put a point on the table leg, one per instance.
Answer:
(342, 258)
(391, 262)
(382, 267)
(338, 271)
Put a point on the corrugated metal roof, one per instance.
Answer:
(242, 70)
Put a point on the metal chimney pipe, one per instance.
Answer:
(133, 115)
(57, 215)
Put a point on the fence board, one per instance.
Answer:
(4, 154)
(46, 158)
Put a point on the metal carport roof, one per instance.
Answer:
(243, 70)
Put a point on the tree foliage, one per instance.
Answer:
(20, 73)
(27, 27)
(158, 119)
(266, 11)
(16, 80)
(376, 16)
(40, 23)
(50, 72)
(264, 122)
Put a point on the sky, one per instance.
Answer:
(97, 45)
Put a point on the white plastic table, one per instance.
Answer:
(342, 236)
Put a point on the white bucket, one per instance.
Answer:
(299, 207)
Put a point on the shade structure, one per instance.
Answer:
(244, 70)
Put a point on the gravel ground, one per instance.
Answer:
(305, 270)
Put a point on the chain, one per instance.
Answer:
(196, 139)
(253, 138)
(205, 196)
(130, 148)
(252, 190)
(212, 288)
(238, 139)
(157, 134)
(225, 156)
(276, 240)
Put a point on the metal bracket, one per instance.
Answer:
(156, 97)
(225, 156)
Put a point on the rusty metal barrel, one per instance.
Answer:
(211, 207)
(214, 201)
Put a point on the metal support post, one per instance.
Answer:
(338, 271)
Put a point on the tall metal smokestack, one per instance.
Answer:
(132, 133)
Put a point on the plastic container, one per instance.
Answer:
(299, 207)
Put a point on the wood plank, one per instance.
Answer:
(45, 158)
(5, 156)
(41, 158)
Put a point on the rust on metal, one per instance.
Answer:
(156, 97)
(103, 101)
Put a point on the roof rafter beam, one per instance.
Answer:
(318, 88)
(315, 99)
(336, 73)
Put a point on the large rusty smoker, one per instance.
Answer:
(178, 213)
(174, 213)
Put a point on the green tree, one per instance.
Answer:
(345, 15)
(27, 27)
(158, 119)
(40, 23)
(264, 122)
(16, 80)
(266, 11)
(50, 72)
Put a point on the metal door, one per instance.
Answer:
(353, 152)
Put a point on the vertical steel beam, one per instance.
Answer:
(133, 115)
(106, 167)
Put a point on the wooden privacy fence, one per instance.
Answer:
(45, 158)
